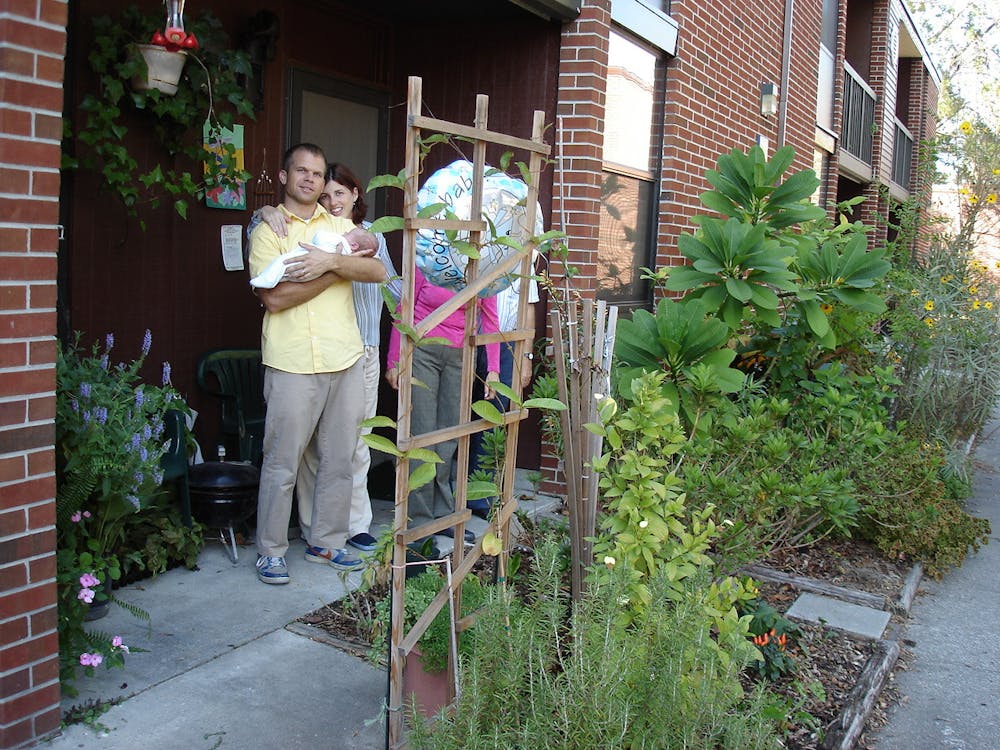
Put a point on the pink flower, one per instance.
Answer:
(89, 580)
(76, 517)
(86, 595)
(86, 514)
(116, 641)
(91, 660)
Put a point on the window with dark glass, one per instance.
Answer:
(628, 190)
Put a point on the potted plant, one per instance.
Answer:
(425, 675)
(109, 441)
(210, 94)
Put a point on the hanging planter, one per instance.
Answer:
(164, 69)
(170, 105)
(164, 55)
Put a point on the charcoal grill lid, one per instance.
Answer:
(223, 475)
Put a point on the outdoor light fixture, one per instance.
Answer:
(768, 99)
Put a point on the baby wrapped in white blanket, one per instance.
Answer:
(330, 242)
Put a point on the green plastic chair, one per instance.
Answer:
(175, 460)
(236, 376)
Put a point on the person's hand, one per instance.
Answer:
(275, 219)
(310, 266)
(489, 393)
(525, 372)
(392, 378)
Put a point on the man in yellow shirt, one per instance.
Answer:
(313, 379)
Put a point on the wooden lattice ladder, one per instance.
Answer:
(462, 561)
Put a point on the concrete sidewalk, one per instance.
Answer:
(950, 695)
(221, 670)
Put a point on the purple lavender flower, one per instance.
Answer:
(147, 432)
(134, 500)
(104, 362)
(147, 342)
(74, 405)
(101, 413)
(86, 417)
(140, 397)
(144, 454)
(135, 441)
(158, 477)
(109, 342)
(85, 390)
(166, 373)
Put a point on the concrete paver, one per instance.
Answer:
(852, 618)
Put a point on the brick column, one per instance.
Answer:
(576, 200)
(32, 50)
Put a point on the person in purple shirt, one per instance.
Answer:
(439, 368)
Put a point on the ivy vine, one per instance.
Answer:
(213, 90)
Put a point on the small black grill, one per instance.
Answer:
(223, 494)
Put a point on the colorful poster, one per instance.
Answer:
(223, 197)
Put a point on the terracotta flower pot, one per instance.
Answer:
(427, 690)
(165, 69)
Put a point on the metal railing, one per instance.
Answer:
(902, 155)
(859, 116)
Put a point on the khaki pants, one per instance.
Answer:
(361, 504)
(320, 415)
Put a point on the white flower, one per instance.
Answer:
(643, 524)
(609, 561)
(598, 396)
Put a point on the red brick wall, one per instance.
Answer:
(725, 51)
(579, 148)
(33, 34)
(576, 202)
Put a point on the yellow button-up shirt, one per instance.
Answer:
(320, 335)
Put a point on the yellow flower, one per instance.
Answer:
(929, 322)
(973, 199)
(996, 171)
(991, 198)
(976, 304)
(988, 305)
(916, 293)
(929, 305)
(966, 127)
(946, 278)
(973, 289)
(826, 307)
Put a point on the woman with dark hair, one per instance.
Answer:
(343, 196)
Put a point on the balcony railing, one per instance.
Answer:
(859, 116)
(902, 155)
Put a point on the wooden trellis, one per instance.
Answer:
(462, 561)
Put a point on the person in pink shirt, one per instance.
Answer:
(439, 368)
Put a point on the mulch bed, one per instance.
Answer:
(828, 662)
